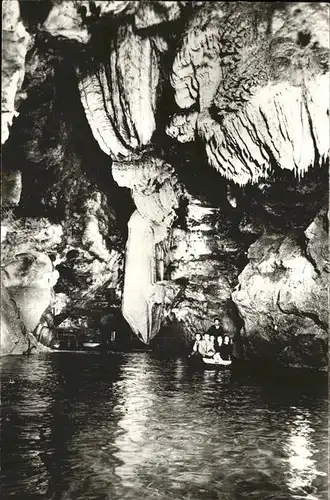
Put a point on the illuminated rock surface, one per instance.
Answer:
(282, 297)
(155, 192)
(259, 77)
(15, 42)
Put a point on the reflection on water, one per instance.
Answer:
(301, 449)
(132, 426)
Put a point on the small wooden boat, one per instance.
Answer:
(91, 344)
(199, 362)
(215, 362)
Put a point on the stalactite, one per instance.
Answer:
(120, 98)
(258, 88)
(156, 193)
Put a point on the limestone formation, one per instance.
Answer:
(144, 298)
(120, 98)
(15, 339)
(282, 297)
(204, 258)
(28, 280)
(260, 79)
(73, 19)
(150, 14)
(15, 43)
(156, 194)
(11, 188)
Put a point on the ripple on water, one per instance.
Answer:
(132, 426)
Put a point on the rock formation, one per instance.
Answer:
(155, 191)
(15, 40)
(192, 137)
(282, 297)
(259, 77)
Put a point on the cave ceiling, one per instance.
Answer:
(239, 89)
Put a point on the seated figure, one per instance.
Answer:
(209, 345)
(215, 330)
(199, 346)
(226, 348)
(217, 356)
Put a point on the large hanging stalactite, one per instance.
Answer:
(156, 193)
(120, 97)
(259, 76)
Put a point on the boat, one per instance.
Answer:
(215, 362)
(199, 362)
(91, 344)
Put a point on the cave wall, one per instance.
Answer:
(282, 296)
(153, 143)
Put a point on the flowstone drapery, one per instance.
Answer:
(156, 194)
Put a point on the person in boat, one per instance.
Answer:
(199, 346)
(217, 356)
(226, 348)
(218, 341)
(215, 330)
(209, 345)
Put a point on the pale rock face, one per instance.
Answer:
(26, 235)
(154, 13)
(15, 43)
(144, 297)
(92, 238)
(3, 232)
(317, 241)
(120, 98)
(183, 127)
(107, 7)
(29, 280)
(139, 276)
(70, 19)
(64, 20)
(29, 270)
(198, 257)
(155, 189)
(60, 303)
(296, 132)
(196, 69)
(282, 298)
(262, 95)
(13, 338)
(11, 188)
(156, 193)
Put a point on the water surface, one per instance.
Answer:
(132, 426)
